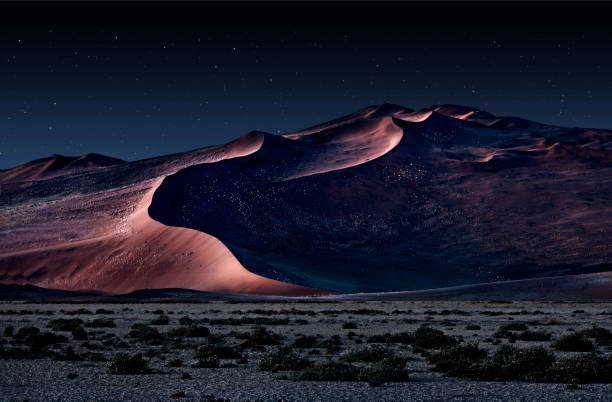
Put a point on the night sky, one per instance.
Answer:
(146, 79)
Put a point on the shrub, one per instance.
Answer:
(174, 363)
(402, 337)
(513, 326)
(473, 327)
(383, 372)
(219, 351)
(260, 336)
(103, 311)
(186, 376)
(124, 363)
(349, 325)
(373, 353)
(283, 361)
(429, 338)
(306, 341)
(186, 321)
(329, 371)
(602, 336)
(160, 320)
(207, 362)
(65, 324)
(79, 334)
(43, 339)
(76, 312)
(68, 355)
(533, 336)
(332, 344)
(9, 331)
(511, 363)
(458, 361)
(582, 369)
(574, 343)
(145, 333)
(25, 332)
(192, 331)
(100, 323)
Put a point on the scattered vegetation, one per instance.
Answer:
(145, 333)
(260, 336)
(191, 331)
(373, 353)
(574, 343)
(283, 360)
(100, 323)
(65, 324)
(124, 363)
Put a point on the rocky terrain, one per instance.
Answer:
(305, 350)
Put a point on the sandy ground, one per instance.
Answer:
(47, 379)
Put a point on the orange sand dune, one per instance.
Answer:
(134, 252)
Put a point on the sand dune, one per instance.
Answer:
(136, 252)
(386, 198)
(57, 165)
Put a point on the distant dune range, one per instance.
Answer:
(385, 199)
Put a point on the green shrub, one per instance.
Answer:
(218, 351)
(533, 336)
(402, 337)
(374, 353)
(513, 326)
(510, 363)
(124, 363)
(101, 323)
(457, 361)
(426, 337)
(25, 332)
(174, 363)
(192, 331)
(260, 336)
(306, 341)
(43, 339)
(283, 361)
(145, 333)
(65, 324)
(602, 336)
(79, 334)
(382, 372)
(574, 343)
(68, 355)
(186, 321)
(160, 320)
(329, 371)
(207, 362)
(582, 369)
(9, 331)
(349, 325)
(473, 327)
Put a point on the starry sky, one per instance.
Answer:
(140, 80)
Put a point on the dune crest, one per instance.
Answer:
(384, 199)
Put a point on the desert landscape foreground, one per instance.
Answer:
(233, 350)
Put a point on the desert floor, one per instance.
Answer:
(49, 370)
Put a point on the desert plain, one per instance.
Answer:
(304, 349)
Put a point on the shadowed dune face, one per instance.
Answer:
(385, 199)
(450, 196)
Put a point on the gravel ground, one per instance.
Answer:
(47, 379)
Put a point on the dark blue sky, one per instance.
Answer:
(146, 79)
